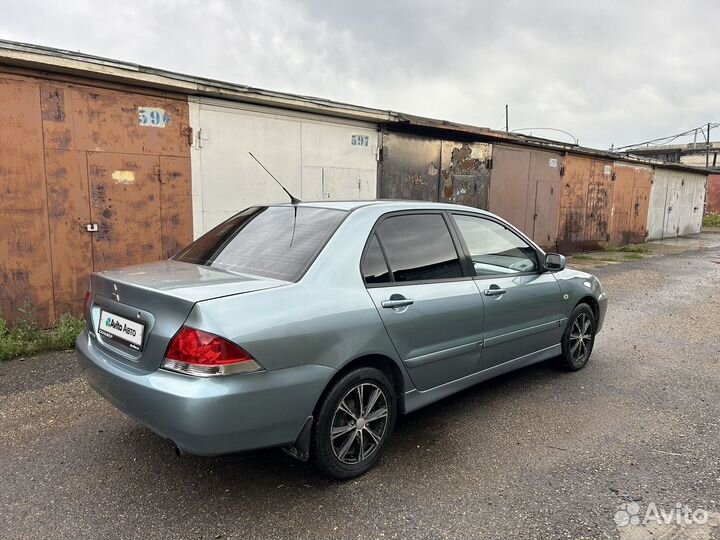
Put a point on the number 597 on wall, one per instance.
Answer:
(359, 140)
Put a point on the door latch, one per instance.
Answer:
(91, 227)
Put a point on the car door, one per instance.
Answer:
(523, 303)
(425, 295)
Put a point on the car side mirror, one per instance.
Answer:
(554, 262)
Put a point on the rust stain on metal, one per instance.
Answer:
(599, 205)
(84, 135)
(464, 176)
(122, 211)
(68, 204)
(713, 193)
(573, 203)
(24, 247)
(631, 195)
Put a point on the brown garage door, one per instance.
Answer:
(73, 156)
(525, 190)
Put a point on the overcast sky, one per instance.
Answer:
(607, 72)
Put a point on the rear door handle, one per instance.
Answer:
(494, 292)
(396, 303)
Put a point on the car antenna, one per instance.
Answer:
(293, 200)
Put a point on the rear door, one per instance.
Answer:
(426, 298)
(523, 305)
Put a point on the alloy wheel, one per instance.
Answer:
(359, 423)
(581, 335)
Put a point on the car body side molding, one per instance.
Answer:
(415, 399)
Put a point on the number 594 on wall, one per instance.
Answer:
(153, 117)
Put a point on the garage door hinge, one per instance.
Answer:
(188, 132)
(158, 174)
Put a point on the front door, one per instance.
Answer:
(431, 310)
(523, 305)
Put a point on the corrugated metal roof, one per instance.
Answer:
(49, 59)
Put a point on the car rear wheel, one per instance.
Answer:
(354, 422)
(578, 339)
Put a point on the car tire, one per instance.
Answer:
(578, 338)
(348, 439)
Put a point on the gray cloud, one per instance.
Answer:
(609, 72)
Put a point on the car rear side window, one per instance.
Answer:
(419, 248)
(279, 242)
(374, 267)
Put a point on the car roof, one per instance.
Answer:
(389, 204)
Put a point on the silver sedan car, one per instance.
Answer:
(313, 326)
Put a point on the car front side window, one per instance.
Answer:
(495, 249)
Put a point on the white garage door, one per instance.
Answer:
(315, 159)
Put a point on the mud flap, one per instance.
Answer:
(300, 449)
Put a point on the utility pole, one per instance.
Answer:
(707, 147)
(507, 125)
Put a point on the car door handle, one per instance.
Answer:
(397, 303)
(495, 292)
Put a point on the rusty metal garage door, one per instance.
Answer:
(599, 205)
(622, 199)
(73, 156)
(410, 167)
(428, 169)
(525, 190)
(573, 203)
(631, 199)
(464, 174)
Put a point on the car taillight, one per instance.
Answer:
(195, 352)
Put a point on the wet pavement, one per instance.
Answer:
(533, 454)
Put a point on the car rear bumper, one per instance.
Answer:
(209, 416)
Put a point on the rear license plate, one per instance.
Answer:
(120, 329)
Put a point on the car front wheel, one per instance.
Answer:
(578, 339)
(354, 422)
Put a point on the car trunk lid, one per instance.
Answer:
(135, 311)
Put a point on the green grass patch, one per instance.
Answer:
(627, 249)
(633, 256)
(711, 220)
(582, 257)
(24, 338)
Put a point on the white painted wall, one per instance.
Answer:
(677, 199)
(313, 156)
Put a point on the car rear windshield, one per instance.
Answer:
(279, 242)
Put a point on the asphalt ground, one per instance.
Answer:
(533, 454)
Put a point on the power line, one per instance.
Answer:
(670, 138)
(575, 139)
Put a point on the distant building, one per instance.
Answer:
(695, 154)
(698, 154)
